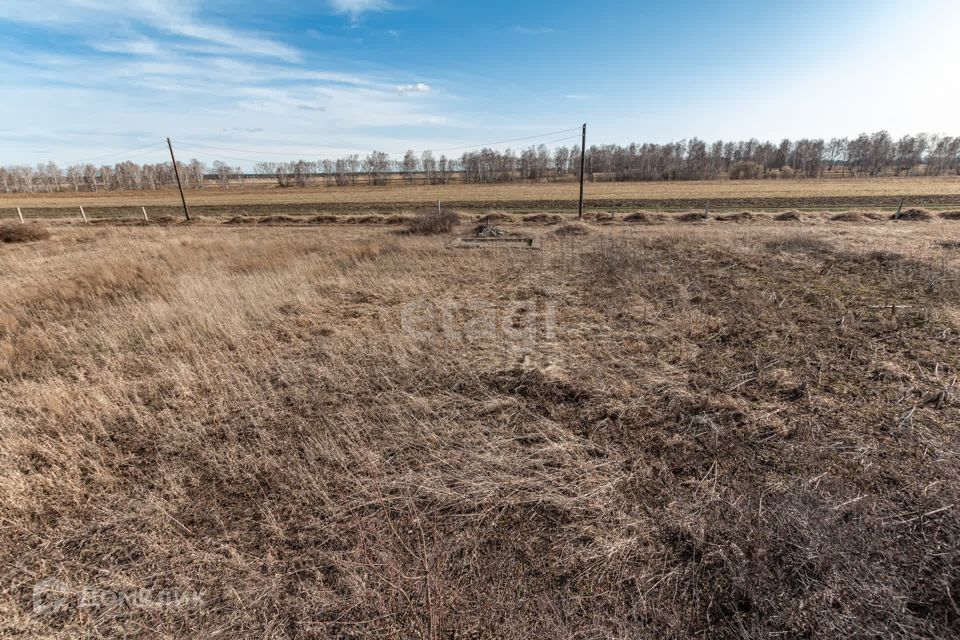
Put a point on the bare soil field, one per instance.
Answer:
(723, 195)
(725, 428)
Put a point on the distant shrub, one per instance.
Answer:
(787, 172)
(745, 171)
(433, 222)
(10, 233)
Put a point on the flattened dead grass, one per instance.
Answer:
(731, 431)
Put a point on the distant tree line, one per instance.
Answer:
(876, 154)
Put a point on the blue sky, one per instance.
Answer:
(97, 80)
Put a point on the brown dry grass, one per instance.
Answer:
(734, 431)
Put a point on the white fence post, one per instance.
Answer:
(145, 218)
(20, 213)
(84, 214)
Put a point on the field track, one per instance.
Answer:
(760, 195)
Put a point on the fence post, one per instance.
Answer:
(896, 216)
(145, 218)
(706, 209)
(20, 213)
(84, 214)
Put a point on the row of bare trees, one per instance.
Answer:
(123, 176)
(866, 155)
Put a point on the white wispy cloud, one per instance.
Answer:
(419, 87)
(172, 70)
(175, 17)
(355, 8)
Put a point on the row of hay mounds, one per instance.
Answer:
(636, 217)
(319, 219)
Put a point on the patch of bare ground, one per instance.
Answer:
(723, 431)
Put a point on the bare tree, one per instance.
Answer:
(377, 166)
(224, 172)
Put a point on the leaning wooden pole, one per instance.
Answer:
(583, 160)
(183, 199)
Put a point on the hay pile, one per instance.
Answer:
(789, 216)
(913, 215)
(544, 218)
(17, 233)
(646, 217)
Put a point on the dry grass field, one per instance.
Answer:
(723, 195)
(742, 429)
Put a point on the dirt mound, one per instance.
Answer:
(277, 219)
(496, 216)
(789, 216)
(371, 219)
(743, 216)
(950, 215)
(692, 217)
(324, 219)
(849, 216)
(573, 229)
(16, 233)
(398, 219)
(914, 214)
(645, 217)
(242, 220)
(544, 218)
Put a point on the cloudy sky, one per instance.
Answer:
(101, 81)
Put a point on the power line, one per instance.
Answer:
(197, 146)
(493, 144)
(129, 153)
(257, 151)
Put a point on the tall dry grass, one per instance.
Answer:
(729, 434)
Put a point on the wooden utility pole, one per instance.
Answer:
(183, 199)
(583, 159)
